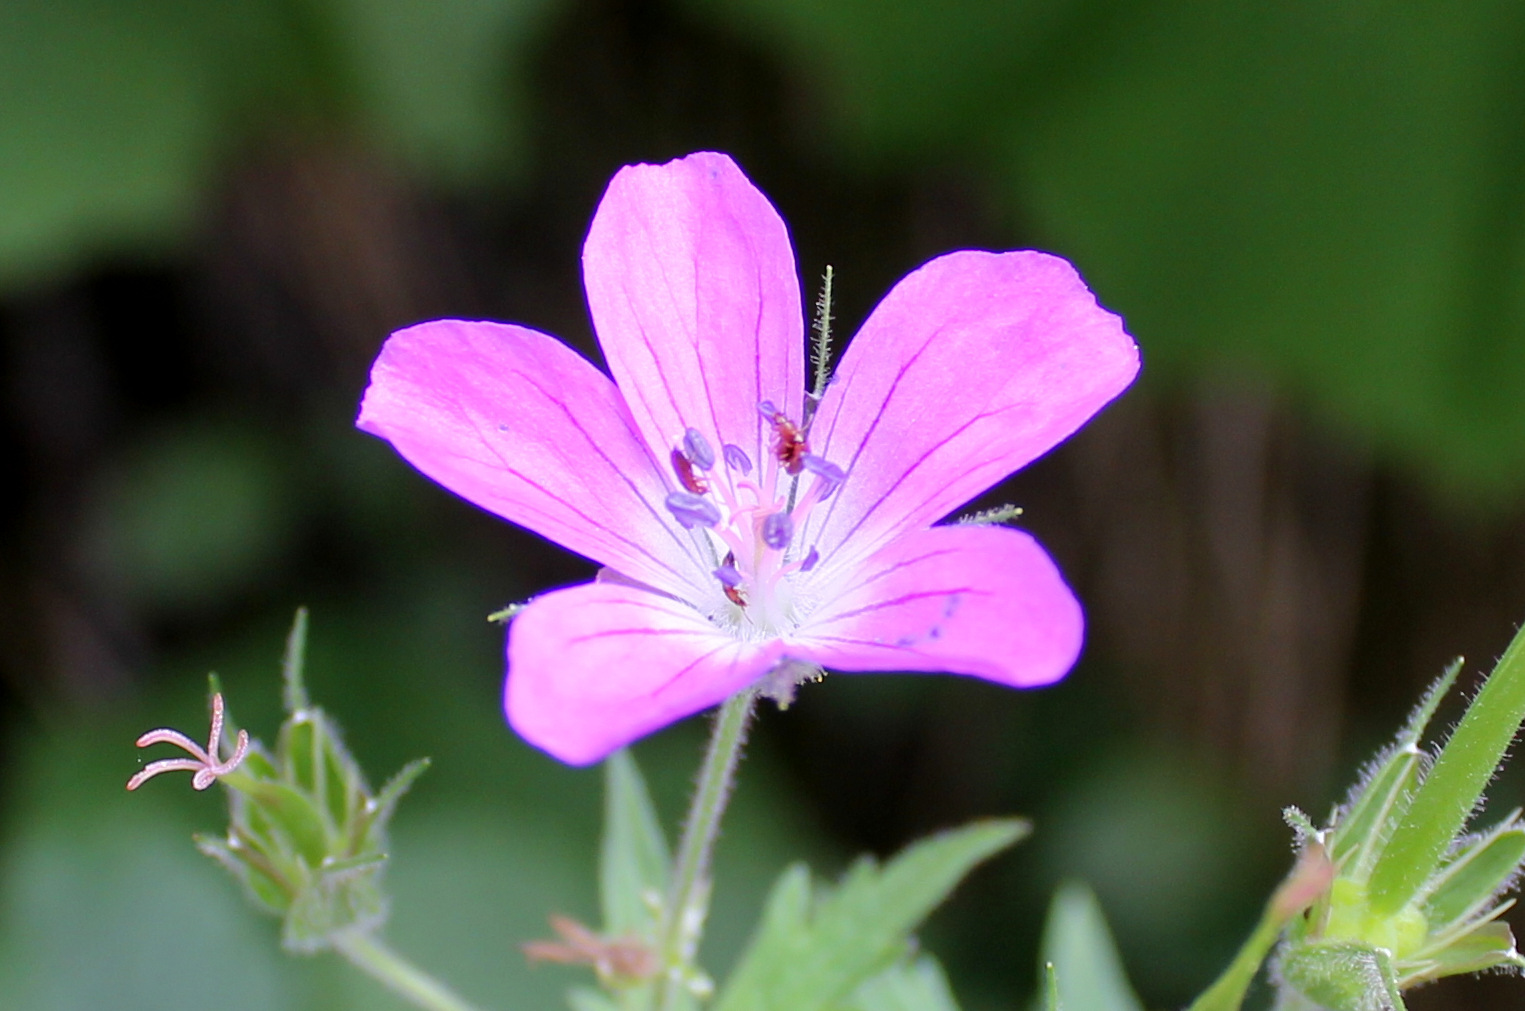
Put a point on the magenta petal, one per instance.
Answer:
(692, 286)
(519, 424)
(986, 601)
(594, 667)
(971, 367)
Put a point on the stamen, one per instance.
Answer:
(827, 473)
(697, 448)
(809, 561)
(691, 510)
(728, 574)
(777, 529)
(736, 458)
(682, 466)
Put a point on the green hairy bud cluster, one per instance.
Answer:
(1414, 896)
(306, 835)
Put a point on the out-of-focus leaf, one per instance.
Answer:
(634, 862)
(1330, 196)
(807, 955)
(438, 78)
(1078, 946)
(118, 115)
(920, 985)
(185, 520)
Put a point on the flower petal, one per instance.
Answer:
(692, 287)
(986, 601)
(594, 667)
(972, 366)
(518, 423)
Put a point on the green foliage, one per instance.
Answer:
(116, 115)
(915, 985)
(816, 946)
(1079, 953)
(1323, 195)
(634, 862)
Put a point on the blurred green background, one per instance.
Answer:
(1311, 214)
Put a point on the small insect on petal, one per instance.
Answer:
(692, 511)
(684, 468)
(789, 445)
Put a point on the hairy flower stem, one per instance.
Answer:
(372, 956)
(687, 901)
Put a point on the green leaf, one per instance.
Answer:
(920, 985)
(806, 956)
(1078, 945)
(583, 999)
(634, 862)
(1451, 790)
(1476, 874)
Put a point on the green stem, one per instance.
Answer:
(687, 901)
(370, 955)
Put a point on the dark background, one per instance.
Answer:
(1311, 214)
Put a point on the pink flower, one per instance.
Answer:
(735, 544)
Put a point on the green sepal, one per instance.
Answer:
(1452, 788)
(331, 903)
(1342, 976)
(286, 818)
(264, 889)
(1479, 871)
(380, 808)
(1488, 945)
(811, 952)
(1383, 796)
(1077, 943)
(634, 861)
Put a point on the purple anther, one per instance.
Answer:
(827, 473)
(777, 528)
(810, 560)
(728, 575)
(736, 458)
(768, 409)
(697, 448)
(692, 510)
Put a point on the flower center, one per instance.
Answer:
(748, 522)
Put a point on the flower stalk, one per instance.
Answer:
(687, 902)
(370, 955)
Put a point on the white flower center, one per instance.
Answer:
(748, 522)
